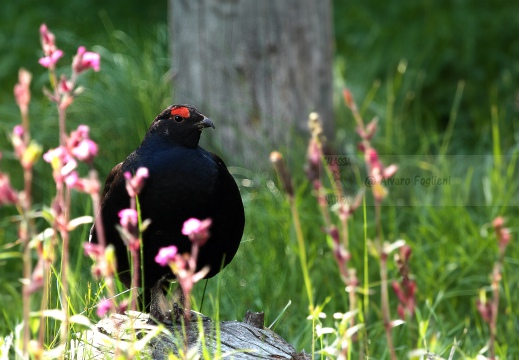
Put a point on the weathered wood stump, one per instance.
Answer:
(237, 340)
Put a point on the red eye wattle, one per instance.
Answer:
(181, 111)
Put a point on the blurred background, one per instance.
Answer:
(441, 76)
(415, 52)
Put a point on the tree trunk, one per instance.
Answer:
(257, 68)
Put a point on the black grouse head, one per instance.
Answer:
(180, 124)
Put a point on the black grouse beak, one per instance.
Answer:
(206, 122)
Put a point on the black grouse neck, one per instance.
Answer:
(166, 137)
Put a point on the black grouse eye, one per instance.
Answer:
(178, 118)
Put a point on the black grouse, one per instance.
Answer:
(185, 181)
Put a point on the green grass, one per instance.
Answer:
(454, 247)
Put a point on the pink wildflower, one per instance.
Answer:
(377, 170)
(57, 156)
(63, 165)
(51, 60)
(65, 85)
(52, 54)
(196, 230)
(85, 60)
(81, 146)
(77, 136)
(166, 255)
(85, 151)
(377, 173)
(71, 179)
(128, 219)
(89, 186)
(135, 184)
(103, 307)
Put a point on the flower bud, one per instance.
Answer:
(279, 165)
(31, 155)
(22, 92)
(7, 193)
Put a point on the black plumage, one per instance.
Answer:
(185, 181)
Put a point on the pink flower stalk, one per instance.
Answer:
(196, 230)
(135, 184)
(406, 297)
(405, 293)
(85, 60)
(7, 193)
(166, 255)
(22, 92)
(405, 290)
(103, 307)
(184, 266)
